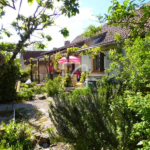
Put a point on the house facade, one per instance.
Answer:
(106, 40)
(95, 66)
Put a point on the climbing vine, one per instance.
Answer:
(55, 59)
(92, 51)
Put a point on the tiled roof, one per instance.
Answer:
(31, 54)
(60, 48)
(107, 34)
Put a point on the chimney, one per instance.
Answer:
(67, 43)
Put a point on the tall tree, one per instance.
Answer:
(43, 17)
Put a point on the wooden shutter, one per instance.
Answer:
(101, 61)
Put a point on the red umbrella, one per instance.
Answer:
(72, 59)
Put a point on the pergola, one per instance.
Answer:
(49, 54)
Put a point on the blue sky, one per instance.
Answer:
(76, 25)
(99, 6)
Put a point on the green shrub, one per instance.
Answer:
(8, 81)
(54, 86)
(25, 74)
(31, 85)
(16, 137)
(139, 104)
(25, 93)
(39, 89)
(92, 121)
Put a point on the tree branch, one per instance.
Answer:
(6, 4)
(130, 23)
(18, 14)
(37, 36)
(25, 45)
(36, 10)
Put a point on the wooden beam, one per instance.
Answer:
(46, 65)
(49, 73)
(38, 72)
(68, 63)
(31, 72)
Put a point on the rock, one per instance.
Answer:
(41, 97)
(42, 110)
(37, 135)
(45, 145)
(38, 147)
(33, 97)
(35, 124)
(45, 127)
(42, 138)
(29, 114)
(33, 131)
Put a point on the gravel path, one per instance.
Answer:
(27, 105)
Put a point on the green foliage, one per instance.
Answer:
(70, 8)
(39, 89)
(25, 74)
(30, 2)
(92, 121)
(41, 46)
(25, 93)
(54, 86)
(64, 32)
(49, 38)
(133, 67)
(139, 104)
(8, 81)
(67, 81)
(7, 46)
(7, 32)
(72, 49)
(16, 137)
(34, 47)
(127, 15)
(56, 59)
(118, 37)
(92, 31)
(92, 51)
(84, 75)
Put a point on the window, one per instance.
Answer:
(98, 63)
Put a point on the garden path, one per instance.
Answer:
(35, 112)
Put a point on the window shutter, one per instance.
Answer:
(101, 61)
